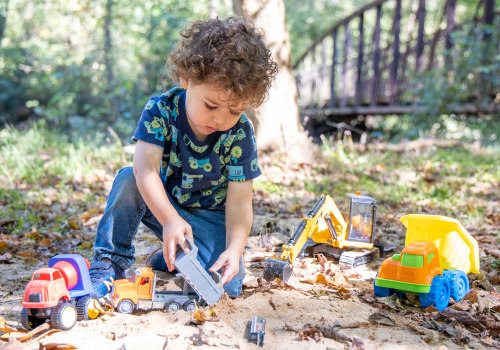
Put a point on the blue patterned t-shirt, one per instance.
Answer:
(196, 173)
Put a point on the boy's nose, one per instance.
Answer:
(217, 119)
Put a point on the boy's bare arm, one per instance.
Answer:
(239, 216)
(147, 162)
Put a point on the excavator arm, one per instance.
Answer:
(323, 224)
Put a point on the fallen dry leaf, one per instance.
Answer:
(89, 213)
(29, 253)
(3, 246)
(74, 224)
(6, 328)
(257, 259)
(310, 332)
(46, 242)
(205, 314)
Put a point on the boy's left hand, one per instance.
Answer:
(229, 262)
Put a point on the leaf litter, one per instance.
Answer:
(317, 290)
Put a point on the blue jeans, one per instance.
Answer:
(126, 209)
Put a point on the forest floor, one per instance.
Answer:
(323, 306)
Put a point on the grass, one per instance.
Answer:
(47, 179)
(458, 182)
(38, 153)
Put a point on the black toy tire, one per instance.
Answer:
(125, 306)
(63, 316)
(189, 305)
(82, 307)
(173, 306)
(30, 322)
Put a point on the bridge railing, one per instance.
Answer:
(352, 69)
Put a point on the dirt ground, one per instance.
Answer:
(342, 305)
(286, 309)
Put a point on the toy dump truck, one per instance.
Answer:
(61, 293)
(139, 292)
(438, 255)
(325, 225)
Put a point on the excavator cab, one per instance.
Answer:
(362, 211)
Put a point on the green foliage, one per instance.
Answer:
(307, 20)
(38, 153)
(53, 62)
(471, 75)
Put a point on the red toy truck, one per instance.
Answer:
(61, 293)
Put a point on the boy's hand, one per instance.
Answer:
(229, 262)
(175, 231)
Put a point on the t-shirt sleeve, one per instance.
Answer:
(152, 126)
(243, 164)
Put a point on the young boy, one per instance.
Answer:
(195, 158)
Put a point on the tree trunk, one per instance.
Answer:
(276, 121)
(4, 10)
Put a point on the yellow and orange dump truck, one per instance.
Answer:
(438, 255)
(139, 291)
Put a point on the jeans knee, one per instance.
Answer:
(125, 191)
(126, 176)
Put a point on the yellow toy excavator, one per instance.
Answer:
(325, 224)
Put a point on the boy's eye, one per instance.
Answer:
(210, 107)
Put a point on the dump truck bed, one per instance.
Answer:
(197, 277)
(458, 250)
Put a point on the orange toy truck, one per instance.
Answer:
(438, 255)
(138, 292)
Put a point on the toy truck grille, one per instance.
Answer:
(35, 298)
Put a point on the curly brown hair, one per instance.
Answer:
(229, 53)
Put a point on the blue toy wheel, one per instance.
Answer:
(459, 283)
(380, 291)
(439, 295)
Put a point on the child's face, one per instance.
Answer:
(209, 109)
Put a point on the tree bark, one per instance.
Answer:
(276, 121)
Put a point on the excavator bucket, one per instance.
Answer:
(277, 269)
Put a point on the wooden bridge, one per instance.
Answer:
(353, 70)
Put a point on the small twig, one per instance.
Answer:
(332, 333)
(41, 328)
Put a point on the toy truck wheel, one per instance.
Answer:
(381, 291)
(459, 283)
(189, 306)
(125, 306)
(173, 306)
(86, 309)
(439, 295)
(63, 316)
(30, 322)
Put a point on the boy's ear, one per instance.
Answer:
(184, 83)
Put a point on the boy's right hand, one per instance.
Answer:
(175, 232)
